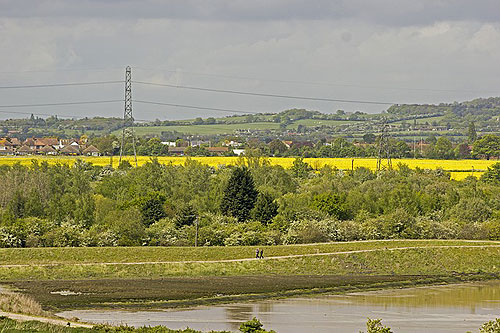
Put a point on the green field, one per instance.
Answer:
(203, 129)
(319, 122)
(231, 128)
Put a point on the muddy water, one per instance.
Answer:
(452, 308)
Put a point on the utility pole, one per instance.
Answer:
(196, 233)
(128, 119)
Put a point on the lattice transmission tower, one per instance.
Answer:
(384, 147)
(128, 119)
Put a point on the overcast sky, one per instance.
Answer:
(395, 51)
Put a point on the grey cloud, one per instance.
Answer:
(382, 12)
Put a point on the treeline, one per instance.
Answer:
(483, 111)
(250, 204)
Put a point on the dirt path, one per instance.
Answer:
(252, 259)
(54, 321)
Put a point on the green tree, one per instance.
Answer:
(277, 147)
(443, 148)
(492, 175)
(471, 133)
(369, 138)
(330, 203)
(300, 169)
(239, 195)
(151, 207)
(265, 208)
(462, 151)
(487, 146)
(185, 216)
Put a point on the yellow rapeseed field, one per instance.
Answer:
(341, 163)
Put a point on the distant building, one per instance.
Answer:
(69, 150)
(48, 150)
(218, 150)
(198, 143)
(180, 151)
(91, 151)
(25, 150)
(239, 151)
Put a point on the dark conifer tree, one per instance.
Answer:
(240, 194)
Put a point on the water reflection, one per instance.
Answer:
(238, 313)
(457, 308)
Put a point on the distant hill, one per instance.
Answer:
(480, 109)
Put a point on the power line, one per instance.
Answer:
(102, 69)
(59, 104)
(50, 85)
(195, 107)
(37, 114)
(328, 84)
(236, 92)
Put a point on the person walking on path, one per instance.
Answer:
(257, 254)
(261, 254)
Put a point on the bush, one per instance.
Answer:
(493, 229)
(492, 326)
(253, 326)
(375, 326)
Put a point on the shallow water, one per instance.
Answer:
(452, 308)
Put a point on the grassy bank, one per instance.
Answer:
(386, 257)
(84, 255)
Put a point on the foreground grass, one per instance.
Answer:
(9, 325)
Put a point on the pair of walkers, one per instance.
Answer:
(259, 254)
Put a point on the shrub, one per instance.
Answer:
(253, 326)
(492, 326)
(375, 326)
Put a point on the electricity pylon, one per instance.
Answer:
(384, 148)
(128, 119)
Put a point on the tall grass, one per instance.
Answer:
(17, 303)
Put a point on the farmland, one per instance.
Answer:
(203, 129)
(459, 168)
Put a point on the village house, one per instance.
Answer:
(48, 150)
(47, 146)
(70, 150)
(91, 151)
(179, 151)
(218, 150)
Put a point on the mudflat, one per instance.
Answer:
(167, 292)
